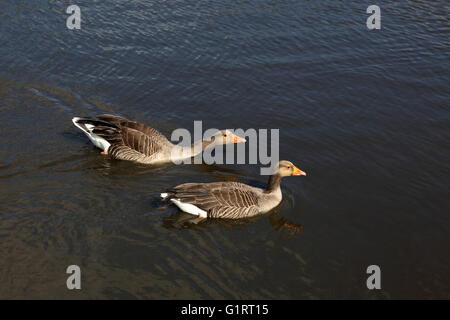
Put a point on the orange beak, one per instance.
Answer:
(298, 172)
(237, 139)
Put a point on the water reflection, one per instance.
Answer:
(182, 220)
(283, 225)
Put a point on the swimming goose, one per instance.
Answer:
(231, 200)
(123, 139)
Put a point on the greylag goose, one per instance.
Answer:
(231, 200)
(123, 139)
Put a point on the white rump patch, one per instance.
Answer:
(190, 208)
(98, 141)
(164, 195)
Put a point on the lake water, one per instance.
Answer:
(364, 113)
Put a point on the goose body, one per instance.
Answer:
(230, 200)
(123, 139)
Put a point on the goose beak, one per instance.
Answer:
(237, 139)
(298, 172)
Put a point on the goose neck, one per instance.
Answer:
(274, 183)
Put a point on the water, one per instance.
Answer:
(364, 113)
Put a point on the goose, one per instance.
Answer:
(123, 139)
(230, 200)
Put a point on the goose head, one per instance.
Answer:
(286, 168)
(222, 137)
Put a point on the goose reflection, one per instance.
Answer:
(182, 220)
(111, 167)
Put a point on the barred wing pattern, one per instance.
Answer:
(130, 140)
(125, 123)
(133, 145)
(229, 200)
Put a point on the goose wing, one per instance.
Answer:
(125, 123)
(130, 140)
(128, 144)
(230, 200)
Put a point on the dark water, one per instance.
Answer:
(365, 113)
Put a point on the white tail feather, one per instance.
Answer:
(190, 208)
(98, 141)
